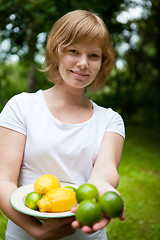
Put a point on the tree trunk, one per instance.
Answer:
(32, 78)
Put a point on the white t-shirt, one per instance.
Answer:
(67, 151)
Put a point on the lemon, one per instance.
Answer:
(88, 212)
(32, 199)
(45, 183)
(112, 204)
(58, 200)
(87, 191)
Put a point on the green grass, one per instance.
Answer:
(139, 186)
(3, 223)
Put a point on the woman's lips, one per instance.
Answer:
(79, 74)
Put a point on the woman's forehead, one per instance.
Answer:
(93, 44)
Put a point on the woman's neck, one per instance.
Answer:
(68, 107)
(69, 95)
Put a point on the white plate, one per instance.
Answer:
(17, 200)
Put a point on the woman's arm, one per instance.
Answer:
(104, 174)
(11, 154)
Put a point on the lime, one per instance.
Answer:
(87, 191)
(32, 199)
(112, 204)
(72, 188)
(88, 212)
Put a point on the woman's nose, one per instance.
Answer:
(82, 61)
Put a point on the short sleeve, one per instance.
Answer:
(116, 124)
(12, 116)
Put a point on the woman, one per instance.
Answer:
(61, 132)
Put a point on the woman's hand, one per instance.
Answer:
(53, 229)
(103, 222)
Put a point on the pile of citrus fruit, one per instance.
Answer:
(91, 206)
(49, 196)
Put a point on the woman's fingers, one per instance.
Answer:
(97, 226)
(123, 214)
(74, 209)
(101, 224)
(75, 224)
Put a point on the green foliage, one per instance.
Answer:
(139, 80)
(12, 81)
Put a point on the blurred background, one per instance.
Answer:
(133, 90)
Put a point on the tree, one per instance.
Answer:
(143, 64)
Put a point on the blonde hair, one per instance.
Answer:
(76, 26)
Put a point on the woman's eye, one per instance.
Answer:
(73, 51)
(94, 56)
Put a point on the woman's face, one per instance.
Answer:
(80, 63)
